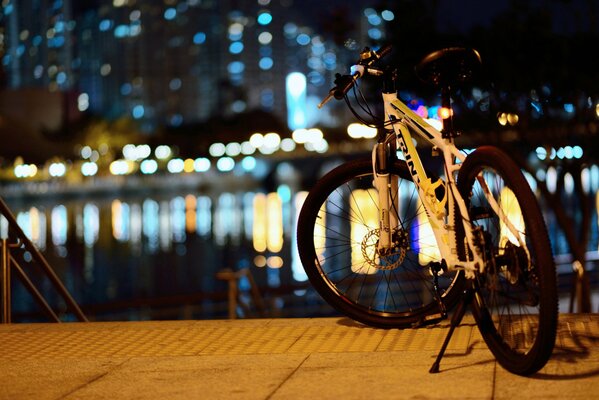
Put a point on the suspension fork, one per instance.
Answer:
(386, 185)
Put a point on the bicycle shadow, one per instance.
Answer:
(575, 356)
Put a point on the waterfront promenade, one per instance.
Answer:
(318, 358)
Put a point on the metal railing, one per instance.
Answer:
(18, 240)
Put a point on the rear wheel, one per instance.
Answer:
(338, 232)
(516, 302)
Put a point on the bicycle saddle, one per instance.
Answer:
(449, 67)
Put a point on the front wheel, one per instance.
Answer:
(338, 232)
(516, 302)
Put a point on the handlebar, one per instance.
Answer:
(343, 83)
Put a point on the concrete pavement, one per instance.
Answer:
(280, 359)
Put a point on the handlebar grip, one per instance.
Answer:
(343, 87)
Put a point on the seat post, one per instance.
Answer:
(448, 132)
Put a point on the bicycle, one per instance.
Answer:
(391, 245)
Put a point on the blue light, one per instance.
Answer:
(176, 120)
(8, 9)
(296, 100)
(236, 67)
(374, 19)
(236, 48)
(121, 31)
(266, 63)
(375, 33)
(170, 14)
(265, 18)
(61, 78)
(199, 38)
(569, 107)
(105, 25)
(138, 111)
(303, 39)
(284, 193)
(126, 89)
(388, 15)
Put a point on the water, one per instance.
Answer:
(155, 255)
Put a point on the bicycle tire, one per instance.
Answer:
(384, 292)
(516, 305)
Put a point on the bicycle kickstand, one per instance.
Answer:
(456, 319)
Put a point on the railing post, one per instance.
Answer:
(6, 301)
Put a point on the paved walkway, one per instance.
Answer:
(280, 359)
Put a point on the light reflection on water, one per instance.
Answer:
(122, 252)
(116, 250)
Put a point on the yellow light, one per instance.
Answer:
(274, 262)
(427, 244)
(260, 261)
(320, 232)
(444, 112)
(189, 165)
(259, 227)
(274, 233)
(364, 219)
(117, 219)
(502, 119)
(190, 213)
(512, 119)
(511, 209)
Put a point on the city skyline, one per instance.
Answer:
(165, 62)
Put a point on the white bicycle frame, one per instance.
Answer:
(405, 121)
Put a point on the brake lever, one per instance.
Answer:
(328, 98)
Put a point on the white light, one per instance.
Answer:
(57, 169)
(119, 167)
(86, 152)
(320, 146)
(225, 164)
(148, 167)
(265, 38)
(233, 149)
(257, 140)
(201, 164)
(83, 102)
(217, 149)
(175, 166)
(162, 152)
(129, 151)
(435, 123)
(300, 135)
(142, 151)
(89, 168)
(287, 144)
(247, 148)
(358, 131)
(25, 171)
(272, 140)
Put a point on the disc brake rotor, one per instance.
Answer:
(393, 258)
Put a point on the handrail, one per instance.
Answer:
(43, 263)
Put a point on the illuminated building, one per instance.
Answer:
(166, 62)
